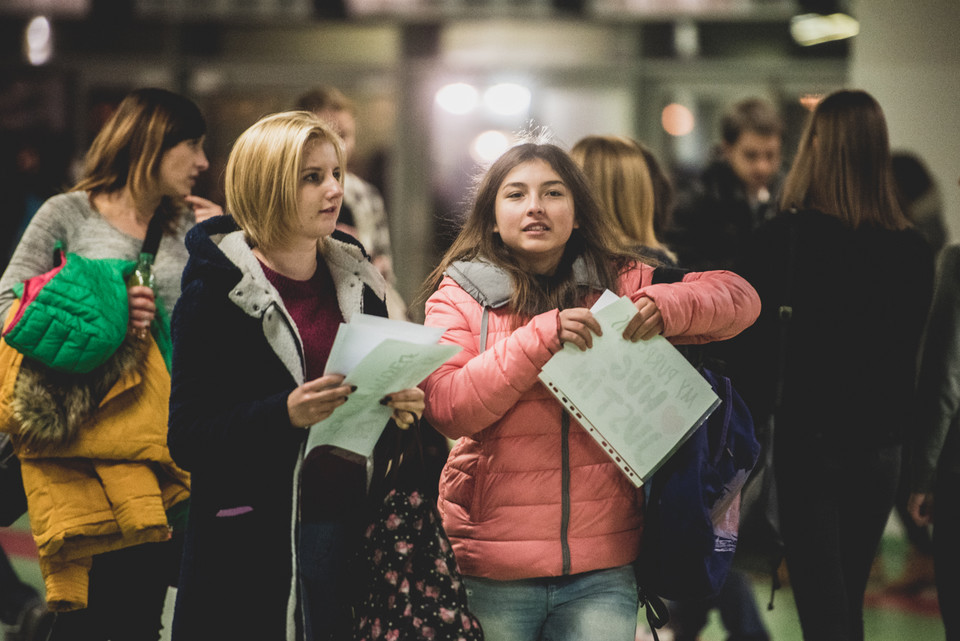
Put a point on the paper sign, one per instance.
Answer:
(640, 401)
(365, 332)
(389, 365)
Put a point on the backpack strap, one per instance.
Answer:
(668, 274)
(657, 613)
(726, 404)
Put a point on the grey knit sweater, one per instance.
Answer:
(70, 218)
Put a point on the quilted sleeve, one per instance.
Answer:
(473, 390)
(704, 306)
(75, 317)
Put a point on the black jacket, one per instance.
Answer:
(713, 221)
(936, 440)
(859, 302)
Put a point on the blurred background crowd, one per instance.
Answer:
(442, 85)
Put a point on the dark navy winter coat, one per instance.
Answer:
(236, 358)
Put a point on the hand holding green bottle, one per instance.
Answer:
(141, 286)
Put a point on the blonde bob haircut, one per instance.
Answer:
(843, 165)
(127, 152)
(263, 174)
(617, 169)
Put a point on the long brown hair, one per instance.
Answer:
(128, 149)
(594, 239)
(843, 164)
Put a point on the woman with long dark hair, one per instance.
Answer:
(846, 283)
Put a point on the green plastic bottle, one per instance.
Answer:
(143, 273)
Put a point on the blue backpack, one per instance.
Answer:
(692, 511)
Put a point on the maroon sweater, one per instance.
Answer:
(330, 485)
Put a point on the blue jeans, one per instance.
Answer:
(593, 606)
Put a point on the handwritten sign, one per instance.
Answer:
(640, 401)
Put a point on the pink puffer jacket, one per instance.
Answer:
(525, 493)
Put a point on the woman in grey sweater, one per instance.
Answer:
(141, 167)
(106, 214)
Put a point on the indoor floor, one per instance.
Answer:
(888, 616)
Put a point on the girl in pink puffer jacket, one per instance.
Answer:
(544, 525)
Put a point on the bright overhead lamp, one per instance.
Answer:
(489, 146)
(815, 28)
(458, 98)
(38, 41)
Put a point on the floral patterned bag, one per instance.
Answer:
(413, 588)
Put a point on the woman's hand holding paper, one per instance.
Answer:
(315, 400)
(577, 325)
(646, 324)
(407, 406)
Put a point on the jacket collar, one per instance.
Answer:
(346, 262)
(492, 286)
(257, 297)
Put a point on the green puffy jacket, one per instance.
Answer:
(75, 316)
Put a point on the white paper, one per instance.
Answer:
(606, 298)
(639, 401)
(365, 332)
(378, 363)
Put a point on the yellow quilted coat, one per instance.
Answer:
(109, 488)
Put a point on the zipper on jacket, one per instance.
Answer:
(565, 489)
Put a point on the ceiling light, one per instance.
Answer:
(38, 41)
(458, 98)
(814, 28)
(489, 146)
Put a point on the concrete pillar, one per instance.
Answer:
(908, 57)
